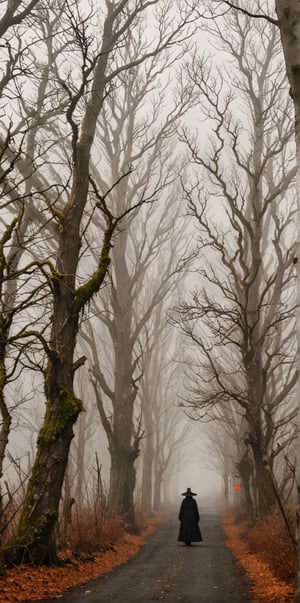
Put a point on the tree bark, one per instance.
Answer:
(4, 435)
(122, 481)
(245, 469)
(35, 540)
(264, 489)
(123, 445)
(288, 12)
(157, 495)
(147, 469)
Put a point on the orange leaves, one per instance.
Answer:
(25, 582)
(266, 587)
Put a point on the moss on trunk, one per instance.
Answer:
(35, 541)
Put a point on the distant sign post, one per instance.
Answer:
(237, 486)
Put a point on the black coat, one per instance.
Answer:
(189, 516)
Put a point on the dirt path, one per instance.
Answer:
(166, 570)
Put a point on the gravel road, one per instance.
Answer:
(166, 570)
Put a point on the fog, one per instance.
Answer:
(172, 162)
(206, 484)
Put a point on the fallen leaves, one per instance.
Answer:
(27, 583)
(266, 588)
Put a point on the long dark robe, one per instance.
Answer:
(189, 517)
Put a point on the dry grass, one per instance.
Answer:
(94, 532)
(266, 556)
(263, 551)
(270, 540)
(26, 583)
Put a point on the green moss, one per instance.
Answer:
(92, 286)
(37, 477)
(33, 543)
(58, 416)
(30, 533)
(71, 404)
(86, 292)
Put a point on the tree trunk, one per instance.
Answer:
(4, 434)
(36, 532)
(66, 511)
(226, 482)
(147, 487)
(123, 441)
(245, 469)
(264, 488)
(157, 500)
(122, 482)
(148, 457)
(79, 462)
(288, 12)
(289, 21)
(35, 540)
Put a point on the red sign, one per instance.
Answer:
(237, 486)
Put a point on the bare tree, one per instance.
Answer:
(288, 16)
(224, 450)
(165, 427)
(140, 282)
(81, 91)
(17, 169)
(245, 339)
(136, 141)
(289, 20)
(13, 16)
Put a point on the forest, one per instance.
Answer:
(149, 173)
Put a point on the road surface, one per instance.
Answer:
(166, 570)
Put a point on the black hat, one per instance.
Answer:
(188, 493)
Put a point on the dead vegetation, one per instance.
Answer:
(266, 554)
(92, 551)
(263, 551)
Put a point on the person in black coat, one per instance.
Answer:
(189, 517)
